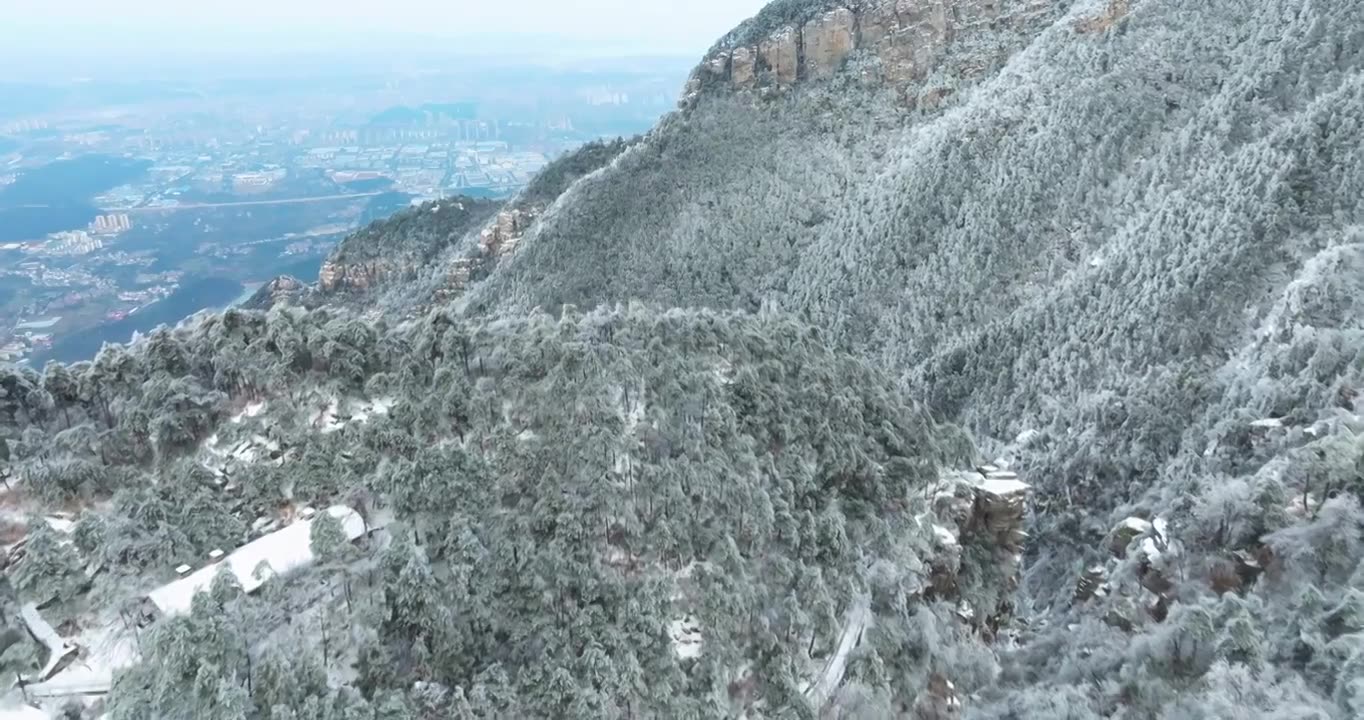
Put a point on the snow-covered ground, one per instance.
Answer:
(250, 411)
(60, 524)
(686, 635)
(338, 413)
(221, 460)
(13, 708)
(106, 647)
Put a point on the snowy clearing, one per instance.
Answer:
(338, 414)
(280, 552)
(686, 635)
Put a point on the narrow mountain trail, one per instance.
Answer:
(859, 618)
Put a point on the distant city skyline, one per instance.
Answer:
(579, 28)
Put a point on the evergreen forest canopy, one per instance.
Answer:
(1115, 245)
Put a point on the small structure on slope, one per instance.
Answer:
(279, 553)
(59, 651)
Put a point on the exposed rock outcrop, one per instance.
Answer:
(283, 289)
(906, 37)
(744, 67)
(357, 277)
(827, 40)
(939, 701)
(984, 510)
(780, 54)
(496, 241)
(506, 230)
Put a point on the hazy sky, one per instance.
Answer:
(659, 26)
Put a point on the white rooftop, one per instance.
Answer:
(1136, 524)
(283, 551)
(1003, 487)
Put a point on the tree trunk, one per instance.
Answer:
(324, 638)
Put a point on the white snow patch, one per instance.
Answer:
(1149, 549)
(1137, 525)
(326, 420)
(370, 409)
(944, 536)
(1267, 424)
(245, 452)
(281, 552)
(61, 525)
(1162, 528)
(686, 635)
(251, 410)
(14, 709)
(329, 420)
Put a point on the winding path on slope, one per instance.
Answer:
(859, 618)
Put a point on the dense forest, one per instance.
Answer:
(566, 488)
(747, 417)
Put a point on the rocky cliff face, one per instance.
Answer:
(358, 277)
(904, 39)
(506, 230)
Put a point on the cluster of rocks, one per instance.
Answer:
(1146, 543)
(986, 508)
(939, 701)
(502, 235)
(498, 239)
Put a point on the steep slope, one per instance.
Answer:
(400, 248)
(1125, 234)
(428, 254)
(1119, 240)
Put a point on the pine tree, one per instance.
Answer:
(327, 538)
(49, 566)
(1241, 640)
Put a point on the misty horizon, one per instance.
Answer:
(142, 30)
